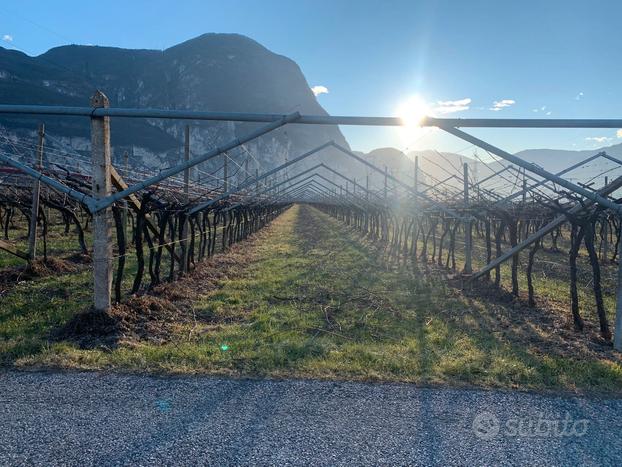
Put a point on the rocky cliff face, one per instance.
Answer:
(217, 72)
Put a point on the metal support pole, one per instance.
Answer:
(225, 175)
(180, 167)
(617, 336)
(416, 185)
(605, 251)
(559, 220)
(468, 268)
(534, 168)
(102, 231)
(124, 216)
(416, 205)
(386, 174)
(184, 228)
(36, 190)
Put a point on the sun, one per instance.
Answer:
(412, 111)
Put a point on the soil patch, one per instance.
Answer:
(37, 269)
(156, 316)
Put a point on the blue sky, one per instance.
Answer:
(534, 58)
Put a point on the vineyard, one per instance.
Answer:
(218, 263)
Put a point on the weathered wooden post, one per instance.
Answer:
(468, 268)
(256, 180)
(184, 228)
(36, 189)
(102, 228)
(524, 188)
(367, 187)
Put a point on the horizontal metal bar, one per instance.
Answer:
(309, 119)
(523, 122)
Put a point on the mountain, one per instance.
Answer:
(215, 72)
(437, 166)
(434, 166)
(556, 160)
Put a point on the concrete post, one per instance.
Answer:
(102, 228)
(468, 267)
(36, 189)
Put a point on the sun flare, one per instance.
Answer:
(412, 111)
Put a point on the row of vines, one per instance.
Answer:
(434, 237)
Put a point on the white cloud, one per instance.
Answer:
(448, 107)
(598, 139)
(498, 105)
(619, 133)
(579, 96)
(7, 38)
(317, 90)
(542, 109)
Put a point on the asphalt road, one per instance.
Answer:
(108, 419)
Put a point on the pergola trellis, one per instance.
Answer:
(102, 197)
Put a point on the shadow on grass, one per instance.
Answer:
(477, 339)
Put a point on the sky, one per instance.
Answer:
(501, 59)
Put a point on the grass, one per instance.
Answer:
(309, 298)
